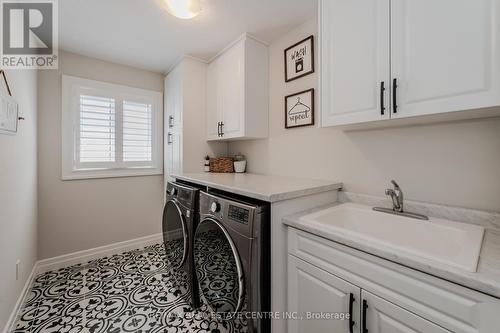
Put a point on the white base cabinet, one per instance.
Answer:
(388, 298)
(380, 316)
(312, 291)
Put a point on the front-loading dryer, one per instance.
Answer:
(180, 218)
(232, 258)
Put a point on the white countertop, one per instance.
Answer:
(486, 279)
(261, 187)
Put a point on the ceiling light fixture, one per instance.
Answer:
(184, 9)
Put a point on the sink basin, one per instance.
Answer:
(442, 241)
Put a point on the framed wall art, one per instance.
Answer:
(299, 109)
(299, 59)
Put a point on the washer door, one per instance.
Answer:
(175, 234)
(218, 268)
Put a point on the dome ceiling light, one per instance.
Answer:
(184, 9)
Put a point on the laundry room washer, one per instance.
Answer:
(180, 218)
(232, 258)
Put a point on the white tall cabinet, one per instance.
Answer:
(237, 92)
(389, 59)
(184, 119)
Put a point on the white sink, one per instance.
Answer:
(448, 242)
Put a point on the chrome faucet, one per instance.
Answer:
(396, 195)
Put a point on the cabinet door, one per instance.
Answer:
(231, 70)
(385, 317)
(312, 290)
(445, 55)
(167, 125)
(177, 152)
(355, 51)
(213, 104)
(173, 98)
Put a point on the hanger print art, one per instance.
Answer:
(299, 109)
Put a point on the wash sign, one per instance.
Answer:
(29, 36)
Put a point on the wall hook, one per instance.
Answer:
(5, 80)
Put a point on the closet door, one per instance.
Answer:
(355, 67)
(445, 55)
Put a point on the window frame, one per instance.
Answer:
(72, 168)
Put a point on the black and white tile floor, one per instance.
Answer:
(130, 292)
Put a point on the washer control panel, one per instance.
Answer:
(238, 214)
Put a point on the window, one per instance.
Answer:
(109, 130)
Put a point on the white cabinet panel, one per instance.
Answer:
(232, 87)
(176, 144)
(213, 114)
(237, 92)
(355, 51)
(445, 55)
(312, 290)
(385, 317)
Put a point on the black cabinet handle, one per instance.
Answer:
(351, 320)
(363, 322)
(218, 129)
(382, 103)
(394, 95)
(221, 128)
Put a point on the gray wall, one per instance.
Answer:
(454, 163)
(18, 193)
(81, 214)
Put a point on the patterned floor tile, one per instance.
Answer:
(134, 291)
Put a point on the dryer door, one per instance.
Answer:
(218, 268)
(175, 234)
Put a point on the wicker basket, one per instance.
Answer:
(221, 164)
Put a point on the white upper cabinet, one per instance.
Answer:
(355, 69)
(445, 55)
(213, 117)
(237, 92)
(434, 57)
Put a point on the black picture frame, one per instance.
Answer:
(288, 108)
(299, 63)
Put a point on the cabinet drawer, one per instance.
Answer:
(449, 305)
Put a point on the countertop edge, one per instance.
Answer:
(479, 282)
(274, 197)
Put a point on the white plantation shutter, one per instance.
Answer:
(97, 129)
(110, 130)
(137, 132)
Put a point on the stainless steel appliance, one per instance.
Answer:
(232, 257)
(180, 218)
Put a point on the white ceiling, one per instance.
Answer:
(142, 34)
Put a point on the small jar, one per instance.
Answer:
(206, 167)
(240, 163)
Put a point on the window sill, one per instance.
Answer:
(111, 173)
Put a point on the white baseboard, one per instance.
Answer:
(20, 301)
(80, 257)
